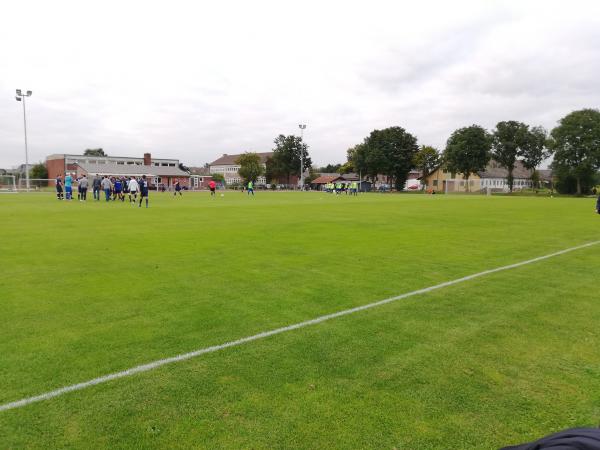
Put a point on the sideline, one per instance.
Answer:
(214, 348)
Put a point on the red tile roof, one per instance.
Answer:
(229, 160)
(325, 179)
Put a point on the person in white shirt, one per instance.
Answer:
(133, 190)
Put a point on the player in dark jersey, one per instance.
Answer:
(118, 189)
(143, 190)
(177, 188)
(59, 188)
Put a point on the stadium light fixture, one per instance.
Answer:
(21, 97)
(302, 127)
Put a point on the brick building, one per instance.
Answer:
(226, 165)
(160, 172)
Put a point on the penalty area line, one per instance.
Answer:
(185, 356)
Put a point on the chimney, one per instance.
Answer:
(147, 159)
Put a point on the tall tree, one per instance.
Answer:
(576, 144)
(330, 168)
(39, 171)
(391, 151)
(426, 160)
(509, 139)
(357, 156)
(94, 152)
(250, 167)
(535, 151)
(286, 157)
(468, 151)
(217, 177)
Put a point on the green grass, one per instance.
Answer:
(89, 289)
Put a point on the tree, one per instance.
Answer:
(576, 143)
(391, 151)
(286, 156)
(39, 171)
(535, 151)
(330, 168)
(250, 167)
(426, 160)
(468, 151)
(94, 152)
(217, 177)
(508, 142)
(357, 155)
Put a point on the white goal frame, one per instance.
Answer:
(10, 187)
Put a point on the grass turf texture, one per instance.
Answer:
(89, 289)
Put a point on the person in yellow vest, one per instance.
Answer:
(354, 187)
(250, 187)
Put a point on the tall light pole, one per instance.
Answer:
(302, 128)
(21, 97)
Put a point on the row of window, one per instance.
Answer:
(225, 169)
(119, 162)
(491, 183)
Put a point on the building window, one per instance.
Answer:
(435, 183)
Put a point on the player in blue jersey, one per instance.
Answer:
(143, 190)
(68, 186)
(177, 188)
(117, 189)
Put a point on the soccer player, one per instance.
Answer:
(125, 183)
(598, 205)
(133, 189)
(212, 186)
(59, 188)
(250, 188)
(118, 188)
(68, 186)
(177, 189)
(83, 187)
(143, 190)
(354, 188)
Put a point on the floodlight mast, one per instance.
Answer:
(302, 128)
(21, 97)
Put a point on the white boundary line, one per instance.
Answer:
(214, 348)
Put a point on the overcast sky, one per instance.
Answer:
(193, 79)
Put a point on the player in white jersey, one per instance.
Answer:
(134, 187)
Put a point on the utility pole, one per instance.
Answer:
(21, 97)
(302, 128)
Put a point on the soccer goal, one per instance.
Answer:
(36, 184)
(8, 184)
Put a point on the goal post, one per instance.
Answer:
(37, 184)
(8, 184)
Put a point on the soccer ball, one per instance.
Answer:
(222, 195)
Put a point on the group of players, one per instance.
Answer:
(114, 188)
(339, 187)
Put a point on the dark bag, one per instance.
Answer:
(573, 439)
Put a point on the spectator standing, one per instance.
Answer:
(96, 185)
(83, 187)
(106, 185)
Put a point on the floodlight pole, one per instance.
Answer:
(302, 128)
(21, 97)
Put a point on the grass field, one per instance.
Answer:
(91, 289)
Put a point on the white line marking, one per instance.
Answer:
(214, 348)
